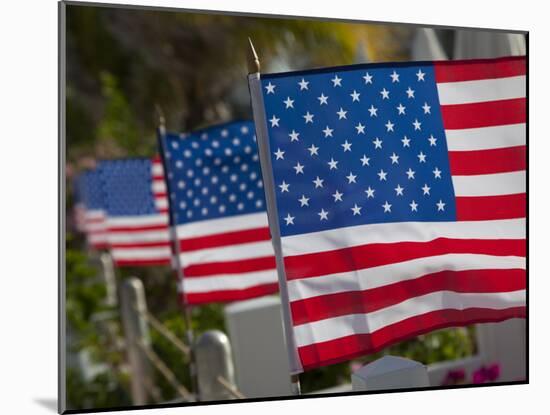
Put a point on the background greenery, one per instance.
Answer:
(120, 64)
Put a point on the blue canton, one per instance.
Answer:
(360, 145)
(213, 173)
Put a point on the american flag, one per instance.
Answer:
(218, 213)
(136, 209)
(89, 208)
(400, 197)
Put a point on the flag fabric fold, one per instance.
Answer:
(89, 209)
(400, 199)
(217, 212)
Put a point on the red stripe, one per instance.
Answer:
(484, 114)
(138, 228)
(158, 177)
(491, 207)
(99, 245)
(471, 70)
(372, 255)
(225, 239)
(367, 301)
(160, 195)
(349, 347)
(141, 262)
(499, 160)
(141, 245)
(230, 267)
(230, 295)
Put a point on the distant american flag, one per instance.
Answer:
(218, 213)
(136, 209)
(400, 197)
(89, 209)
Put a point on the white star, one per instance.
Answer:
(299, 168)
(420, 75)
(440, 205)
(399, 190)
(385, 94)
(347, 146)
(354, 96)
(274, 121)
(377, 143)
(336, 81)
(341, 113)
(413, 206)
(318, 182)
(337, 196)
(304, 201)
(421, 157)
(289, 219)
(294, 136)
(369, 192)
(437, 173)
(289, 102)
(416, 124)
(333, 164)
(360, 128)
(373, 111)
(328, 131)
(426, 189)
(367, 78)
(313, 150)
(351, 178)
(432, 140)
(308, 117)
(365, 160)
(410, 173)
(401, 109)
(323, 99)
(426, 108)
(387, 207)
(389, 126)
(356, 209)
(382, 174)
(394, 158)
(279, 154)
(406, 141)
(303, 84)
(394, 77)
(323, 215)
(284, 186)
(270, 88)
(410, 92)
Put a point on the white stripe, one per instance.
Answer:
(157, 169)
(466, 92)
(95, 226)
(486, 138)
(228, 282)
(337, 327)
(490, 184)
(95, 238)
(159, 186)
(142, 236)
(401, 232)
(137, 221)
(222, 225)
(140, 253)
(374, 277)
(161, 203)
(94, 214)
(227, 253)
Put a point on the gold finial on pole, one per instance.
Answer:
(253, 60)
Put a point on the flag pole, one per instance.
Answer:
(260, 122)
(186, 310)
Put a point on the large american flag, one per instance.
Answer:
(89, 209)
(136, 211)
(218, 213)
(400, 197)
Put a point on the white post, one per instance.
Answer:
(109, 277)
(136, 332)
(389, 373)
